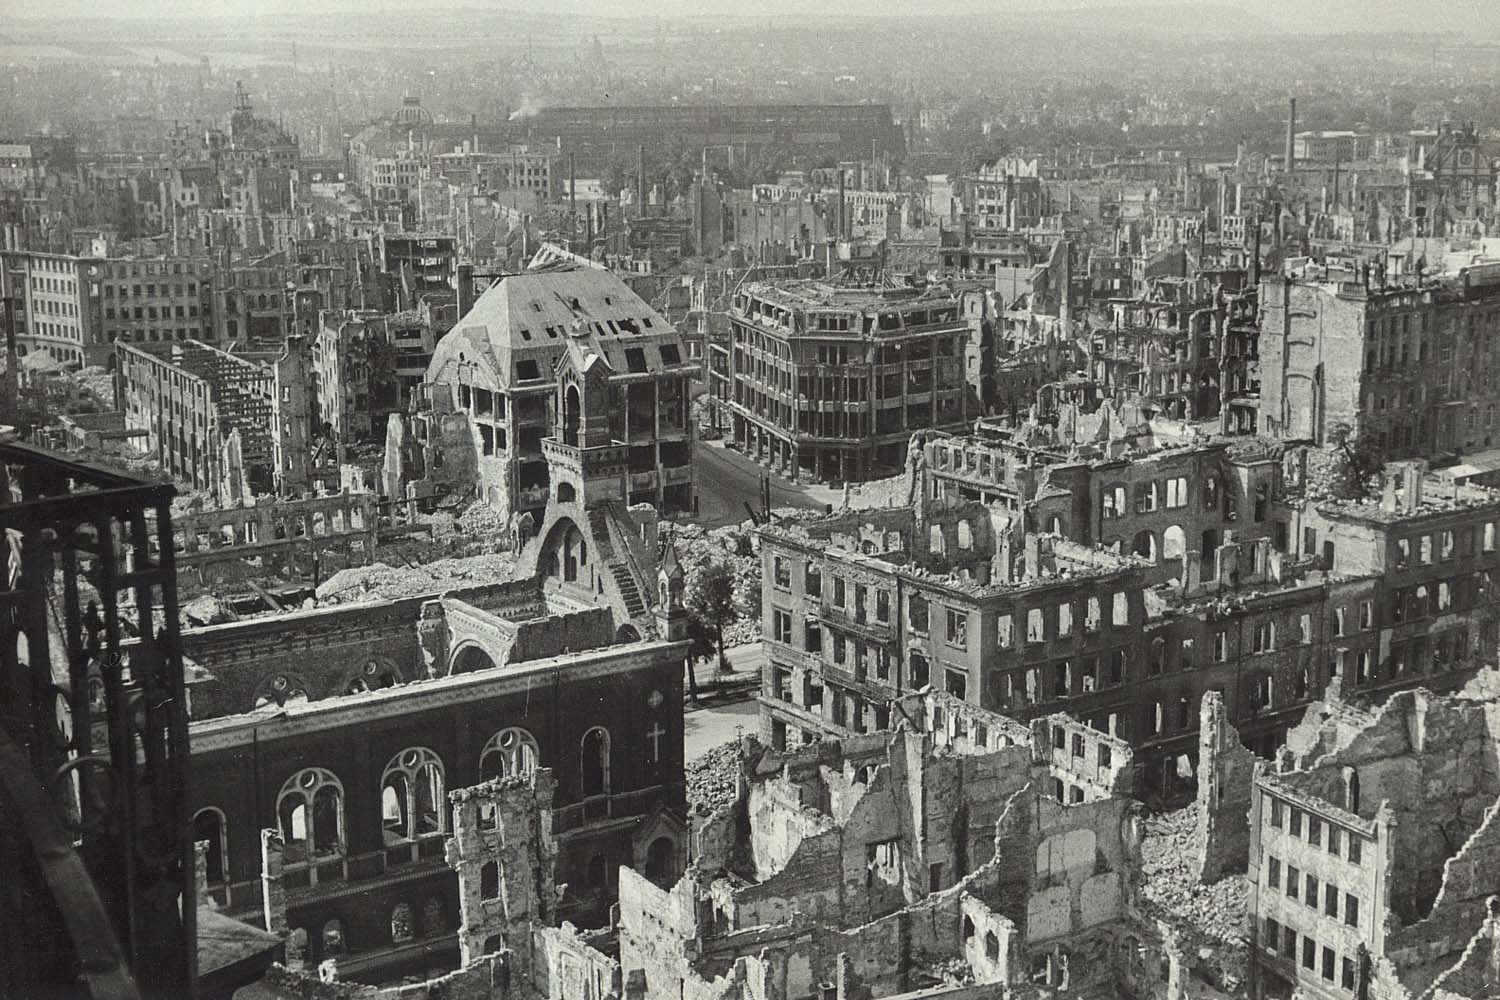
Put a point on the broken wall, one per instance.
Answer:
(1436, 760)
(1226, 775)
(1471, 879)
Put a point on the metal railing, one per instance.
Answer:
(94, 738)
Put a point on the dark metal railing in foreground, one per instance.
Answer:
(94, 828)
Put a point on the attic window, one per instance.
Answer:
(576, 306)
(670, 355)
(538, 306)
(635, 359)
(527, 371)
(552, 332)
(525, 333)
(647, 321)
(608, 301)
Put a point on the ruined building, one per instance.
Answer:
(1408, 363)
(828, 381)
(541, 355)
(347, 724)
(987, 879)
(1375, 851)
(1022, 612)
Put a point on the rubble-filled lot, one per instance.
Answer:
(711, 778)
(1167, 850)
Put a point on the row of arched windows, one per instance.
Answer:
(413, 798)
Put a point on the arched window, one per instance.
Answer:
(401, 924)
(374, 676)
(209, 826)
(1145, 545)
(333, 938)
(310, 810)
(572, 415)
(594, 761)
(489, 880)
(509, 752)
(411, 796)
(1173, 542)
(281, 690)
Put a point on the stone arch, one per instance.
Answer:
(471, 656)
(593, 762)
(572, 415)
(627, 633)
(210, 826)
(375, 674)
(562, 542)
(566, 493)
(281, 689)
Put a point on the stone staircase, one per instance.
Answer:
(629, 592)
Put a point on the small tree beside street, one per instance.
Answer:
(710, 602)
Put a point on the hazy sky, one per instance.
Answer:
(1472, 16)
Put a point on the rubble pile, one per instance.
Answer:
(711, 779)
(698, 547)
(1168, 846)
(380, 581)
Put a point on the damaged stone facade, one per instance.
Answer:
(495, 394)
(274, 537)
(208, 414)
(826, 382)
(931, 860)
(347, 725)
(1254, 582)
(1375, 849)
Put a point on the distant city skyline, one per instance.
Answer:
(1323, 16)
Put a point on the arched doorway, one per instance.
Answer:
(594, 762)
(572, 415)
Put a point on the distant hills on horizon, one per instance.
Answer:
(1471, 18)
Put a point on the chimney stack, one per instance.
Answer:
(1291, 134)
(640, 181)
(843, 233)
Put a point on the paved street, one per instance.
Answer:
(705, 728)
(714, 721)
(727, 480)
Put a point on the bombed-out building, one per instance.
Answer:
(1019, 607)
(495, 393)
(828, 381)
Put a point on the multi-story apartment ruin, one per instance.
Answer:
(76, 308)
(223, 423)
(1273, 588)
(1374, 858)
(829, 381)
(1409, 363)
(494, 395)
